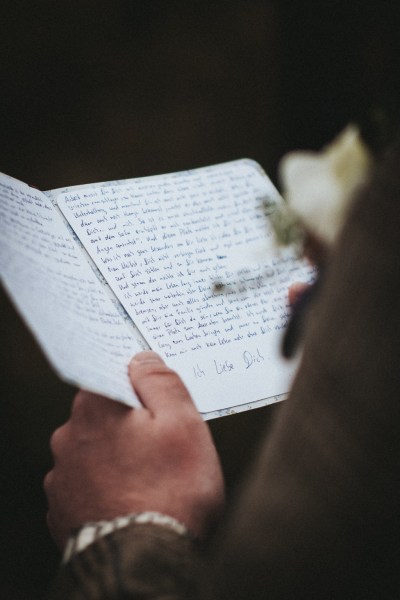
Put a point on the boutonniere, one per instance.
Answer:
(318, 189)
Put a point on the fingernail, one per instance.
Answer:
(146, 356)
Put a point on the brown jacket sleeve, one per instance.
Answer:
(138, 562)
(319, 515)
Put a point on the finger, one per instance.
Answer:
(296, 290)
(158, 387)
(91, 410)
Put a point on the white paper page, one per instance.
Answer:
(79, 328)
(162, 242)
(106, 290)
(213, 414)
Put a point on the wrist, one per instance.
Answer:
(90, 532)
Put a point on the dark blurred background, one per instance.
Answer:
(106, 89)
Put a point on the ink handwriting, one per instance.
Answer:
(252, 358)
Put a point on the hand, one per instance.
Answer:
(112, 460)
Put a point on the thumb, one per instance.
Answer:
(159, 388)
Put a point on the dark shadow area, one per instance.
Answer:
(93, 91)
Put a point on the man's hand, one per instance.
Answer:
(112, 460)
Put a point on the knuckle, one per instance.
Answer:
(161, 375)
(171, 380)
(56, 441)
(144, 369)
(175, 388)
(78, 405)
(47, 482)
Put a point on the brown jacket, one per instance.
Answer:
(319, 514)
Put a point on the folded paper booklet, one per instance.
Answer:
(183, 263)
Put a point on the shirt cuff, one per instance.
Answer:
(93, 531)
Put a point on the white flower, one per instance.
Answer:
(319, 186)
